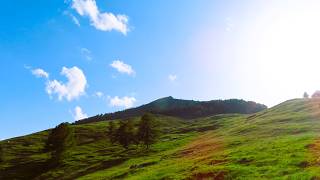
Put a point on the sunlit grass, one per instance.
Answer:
(273, 144)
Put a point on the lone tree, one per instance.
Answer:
(125, 134)
(305, 95)
(147, 132)
(111, 130)
(59, 139)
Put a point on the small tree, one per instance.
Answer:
(125, 134)
(305, 95)
(59, 139)
(147, 132)
(111, 130)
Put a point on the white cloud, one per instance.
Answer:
(40, 73)
(122, 67)
(79, 114)
(172, 77)
(86, 53)
(103, 21)
(73, 88)
(125, 101)
(99, 94)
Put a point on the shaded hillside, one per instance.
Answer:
(186, 109)
(278, 143)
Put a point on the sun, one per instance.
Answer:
(285, 42)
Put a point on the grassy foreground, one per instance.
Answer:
(279, 143)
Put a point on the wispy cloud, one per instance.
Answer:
(172, 77)
(40, 73)
(229, 24)
(73, 18)
(104, 21)
(125, 101)
(98, 94)
(122, 67)
(86, 53)
(72, 89)
(78, 113)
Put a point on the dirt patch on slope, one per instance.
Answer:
(202, 147)
(314, 148)
(208, 176)
(204, 150)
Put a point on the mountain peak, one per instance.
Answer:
(162, 103)
(164, 98)
(168, 97)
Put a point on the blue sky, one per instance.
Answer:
(64, 60)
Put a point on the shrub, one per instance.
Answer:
(316, 94)
(1, 153)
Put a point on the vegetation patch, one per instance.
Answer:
(280, 143)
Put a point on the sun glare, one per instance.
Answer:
(286, 44)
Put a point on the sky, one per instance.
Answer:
(64, 60)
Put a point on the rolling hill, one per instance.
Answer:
(186, 109)
(282, 142)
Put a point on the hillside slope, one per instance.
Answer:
(278, 143)
(186, 109)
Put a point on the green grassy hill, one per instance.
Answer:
(282, 142)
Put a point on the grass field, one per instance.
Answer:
(282, 142)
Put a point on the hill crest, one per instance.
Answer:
(186, 109)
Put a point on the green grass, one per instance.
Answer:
(273, 144)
